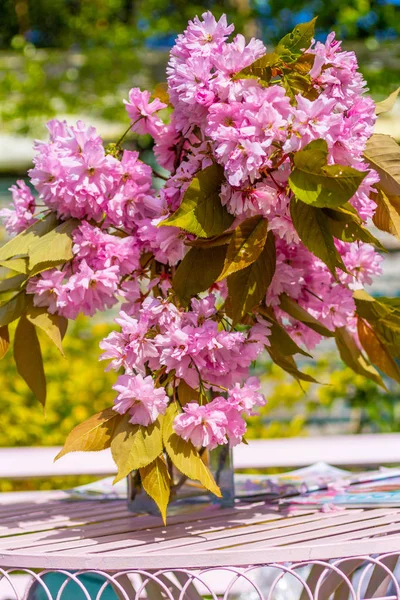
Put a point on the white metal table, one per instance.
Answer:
(247, 552)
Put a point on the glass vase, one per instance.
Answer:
(186, 492)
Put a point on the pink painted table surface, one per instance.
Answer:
(249, 552)
(44, 530)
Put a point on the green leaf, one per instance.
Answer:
(387, 214)
(247, 288)
(312, 227)
(303, 64)
(260, 69)
(20, 265)
(282, 340)
(297, 83)
(383, 154)
(288, 364)
(28, 358)
(12, 309)
(218, 240)
(92, 435)
(315, 182)
(54, 326)
(186, 393)
(377, 351)
(369, 308)
(53, 248)
(352, 356)
(4, 341)
(387, 104)
(198, 271)
(292, 45)
(135, 446)
(346, 227)
(184, 455)
(20, 244)
(290, 306)
(156, 482)
(246, 245)
(12, 283)
(201, 211)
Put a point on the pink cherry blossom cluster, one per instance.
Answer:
(121, 253)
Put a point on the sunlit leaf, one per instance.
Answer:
(20, 265)
(156, 482)
(298, 83)
(312, 227)
(94, 434)
(387, 104)
(184, 455)
(53, 248)
(20, 244)
(4, 340)
(53, 325)
(247, 288)
(315, 182)
(135, 446)
(376, 350)
(352, 356)
(293, 44)
(245, 246)
(201, 211)
(387, 214)
(198, 270)
(28, 358)
(383, 154)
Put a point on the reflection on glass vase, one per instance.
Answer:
(185, 491)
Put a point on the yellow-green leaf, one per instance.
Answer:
(4, 340)
(298, 83)
(352, 356)
(53, 325)
(198, 271)
(383, 154)
(218, 240)
(20, 265)
(245, 246)
(376, 350)
(201, 211)
(20, 244)
(387, 104)
(92, 435)
(347, 227)
(53, 248)
(315, 182)
(135, 446)
(312, 227)
(12, 283)
(12, 309)
(156, 482)
(288, 364)
(290, 306)
(293, 44)
(282, 340)
(387, 214)
(184, 455)
(247, 288)
(369, 308)
(28, 358)
(186, 393)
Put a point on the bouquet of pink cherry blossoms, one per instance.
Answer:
(256, 240)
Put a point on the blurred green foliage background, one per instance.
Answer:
(79, 56)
